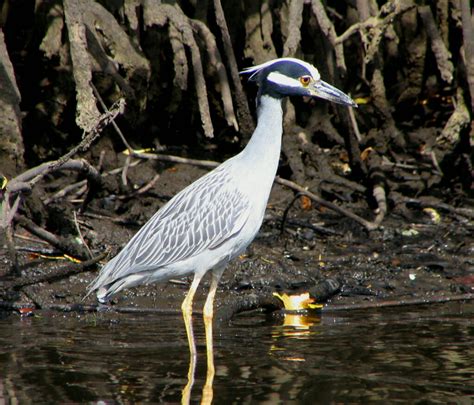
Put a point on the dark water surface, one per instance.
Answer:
(419, 355)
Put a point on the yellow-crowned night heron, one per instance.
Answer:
(215, 218)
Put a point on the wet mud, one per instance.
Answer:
(416, 252)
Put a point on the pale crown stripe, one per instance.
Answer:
(255, 69)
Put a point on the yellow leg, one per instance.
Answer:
(207, 391)
(187, 308)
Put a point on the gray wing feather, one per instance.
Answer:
(202, 216)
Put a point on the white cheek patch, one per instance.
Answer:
(281, 79)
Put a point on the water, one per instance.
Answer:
(422, 355)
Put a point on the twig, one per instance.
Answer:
(378, 181)
(61, 193)
(287, 210)
(102, 122)
(59, 274)
(176, 159)
(116, 220)
(465, 212)
(149, 185)
(435, 162)
(142, 189)
(125, 170)
(398, 303)
(53, 240)
(30, 239)
(31, 175)
(316, 228)
(355, 127)
(114, 124)
(370, 226)
(80, 234)
(7, 214)
(381, 199)
(421, 166)
(38, 250)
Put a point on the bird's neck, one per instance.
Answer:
(263, 149)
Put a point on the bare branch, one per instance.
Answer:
(59, 274)
(215, 61)
(458, 120)
(243, 113)
(328, 29)
(438, 47)
(176, 159)
(294, 26)
(370, 226)
(87, 113)
(119, 44)
(62, 244)
(180, 60)
(161, 14)
(99, 125)
(468, 37)
(259, 45)
(11, 141)
(372, 29)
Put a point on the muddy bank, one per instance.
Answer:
(416, 253)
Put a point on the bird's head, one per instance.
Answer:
(284, 77)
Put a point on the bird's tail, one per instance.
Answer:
(105, 292)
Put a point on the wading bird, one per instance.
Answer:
(215, 218)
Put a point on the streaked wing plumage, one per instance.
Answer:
(202, 216)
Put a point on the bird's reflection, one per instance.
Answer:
(207, 391)
(296, 324)
(293, 325)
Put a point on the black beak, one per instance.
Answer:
(327, 92)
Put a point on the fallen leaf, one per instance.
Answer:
(34, 255)
(395, 262)
(297, 302)
(305, 202)
(433, 214)
(26, 311)
(3, 182)
(362, 100)
(410, 232)
(365, 153)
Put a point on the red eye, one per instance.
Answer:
(305, 80)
